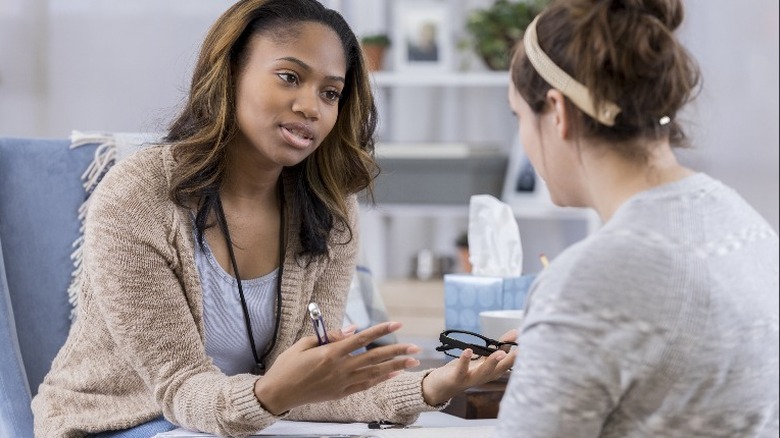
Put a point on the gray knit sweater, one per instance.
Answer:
(662, 324)
(136, 349)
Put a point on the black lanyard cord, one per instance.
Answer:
(259, 368)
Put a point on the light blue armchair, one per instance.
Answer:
(40, 193)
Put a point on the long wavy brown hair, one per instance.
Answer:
(342, 165)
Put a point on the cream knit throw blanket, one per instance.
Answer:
(111, 149)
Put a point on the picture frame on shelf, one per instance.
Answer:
(422, 31)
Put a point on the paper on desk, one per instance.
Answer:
(288, 428)
(494, 239)
(434, 432)
(426, 420)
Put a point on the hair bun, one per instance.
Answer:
(668, 12)
(622, 51)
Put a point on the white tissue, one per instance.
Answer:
(494, 239)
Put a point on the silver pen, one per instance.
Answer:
(319, 325)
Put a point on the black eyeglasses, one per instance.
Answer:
(453, 342)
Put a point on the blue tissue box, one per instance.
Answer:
(466, 295)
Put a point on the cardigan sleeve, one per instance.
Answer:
(133, 275)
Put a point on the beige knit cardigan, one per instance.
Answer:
(136, 349)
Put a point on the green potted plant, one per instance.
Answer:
(495, 30)
(374, 47)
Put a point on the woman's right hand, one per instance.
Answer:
(307, 372)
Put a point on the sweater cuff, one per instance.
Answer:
(406, 394)
(248, 406)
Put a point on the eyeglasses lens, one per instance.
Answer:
(468, 340)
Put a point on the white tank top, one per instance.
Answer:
(227, 342)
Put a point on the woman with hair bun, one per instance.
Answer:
(664, 323)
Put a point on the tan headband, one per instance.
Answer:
(559, 79)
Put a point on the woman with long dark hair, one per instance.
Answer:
(203, 254)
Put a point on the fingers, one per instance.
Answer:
(381, 363)
(494, 366)
(371, 375)
(307, 342)
(382, 354)
(380, 371)
(345, 332)
(488, 367)
(464, 361)
(365, 337)
(506, 363)
(378, 365)
(510, 336)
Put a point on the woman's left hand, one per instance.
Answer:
(447, 381)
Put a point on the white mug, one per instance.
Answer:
(494, 323)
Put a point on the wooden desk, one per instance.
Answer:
(478, 402)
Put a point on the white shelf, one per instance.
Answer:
(531, 209)
(444, 79)
(388, 245)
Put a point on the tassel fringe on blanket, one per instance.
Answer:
(111, 149)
